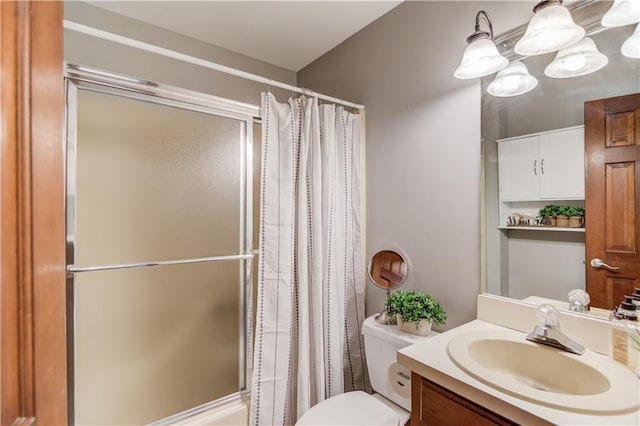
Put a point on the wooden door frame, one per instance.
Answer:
(33, 385)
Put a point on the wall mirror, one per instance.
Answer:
(532, 265)
(387, 270)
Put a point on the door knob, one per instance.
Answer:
(598, 264)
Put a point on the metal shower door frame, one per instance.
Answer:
(77, 78)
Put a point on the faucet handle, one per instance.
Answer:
(548, 315)
(579, 300)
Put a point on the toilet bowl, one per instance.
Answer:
(391, 402)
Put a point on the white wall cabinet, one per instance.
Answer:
(539, 169)
(518, 169)
(544, 166)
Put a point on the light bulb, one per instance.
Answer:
(580, 59)
(623, 12)
(550, 29)
(631, 46)
(514, 80)
(480, 58)
(575, 62)
(509, 83)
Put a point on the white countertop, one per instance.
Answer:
(430, 360)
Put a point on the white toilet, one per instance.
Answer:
(390, 404)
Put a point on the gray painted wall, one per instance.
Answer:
(91, 51)
(423, 141)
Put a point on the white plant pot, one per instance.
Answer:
(421, 328)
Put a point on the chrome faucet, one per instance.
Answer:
(549, 332)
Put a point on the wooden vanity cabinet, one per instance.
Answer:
(431, 404)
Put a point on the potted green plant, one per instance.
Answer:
(415, 311)
(548, 214)
(576, 216)
(562, 219)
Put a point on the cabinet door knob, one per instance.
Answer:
(599, 264)
(535, 171)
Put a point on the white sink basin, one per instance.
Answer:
(588, 383)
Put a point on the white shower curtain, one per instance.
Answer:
(310, 302)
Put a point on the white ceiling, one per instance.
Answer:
(290, 34)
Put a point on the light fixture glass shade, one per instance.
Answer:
(580, 59)
(550, 29)
(480, 58)
(514, 80)
(623, 12)
(631, 46)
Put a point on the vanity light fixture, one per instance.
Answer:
(550, 29)
(580, 59)
(514, 80)
(631, 46)
(623, 12)
(481, 57)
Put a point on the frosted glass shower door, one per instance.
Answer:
(155, 182)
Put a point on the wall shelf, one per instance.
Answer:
(541, 228)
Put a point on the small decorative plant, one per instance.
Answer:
(548, 214)
(562, 219)
(412, 306)
(574, 211)
(550, 210)
(562, 211)
(571, 216)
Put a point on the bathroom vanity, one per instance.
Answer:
(450, 387)
(435, 404)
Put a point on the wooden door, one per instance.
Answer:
(33, 386)
(612, 150)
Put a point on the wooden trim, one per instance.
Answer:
(9, 325)
(416, 399)
(49, 277)
(32, 291)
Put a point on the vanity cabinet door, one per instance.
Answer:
(562, 164)
(518, 168)
(432, 404)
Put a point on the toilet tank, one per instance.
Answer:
(388, 378)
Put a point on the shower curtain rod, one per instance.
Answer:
(105, 35)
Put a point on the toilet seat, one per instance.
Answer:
(351, 408)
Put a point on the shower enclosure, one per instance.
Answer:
(160, 247)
